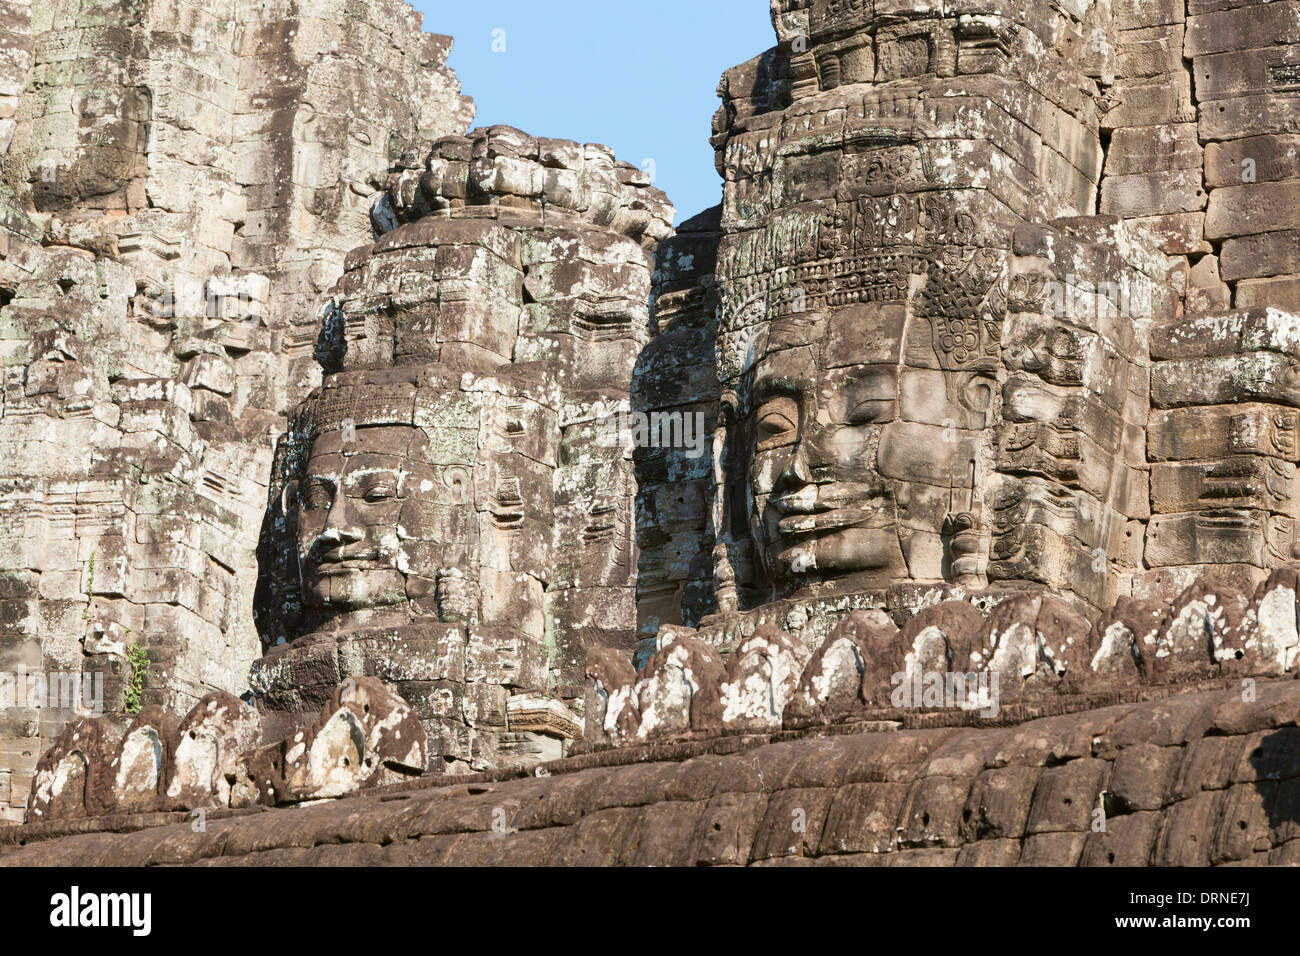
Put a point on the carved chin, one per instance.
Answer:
(853, 551)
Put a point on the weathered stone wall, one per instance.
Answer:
(1153, 172)
(15, 61)
(505, 300)
(1116, 334)
(330, 95)
(1201, 779)
(182, 182)
(991, 347)
(1198, 125)
(1244, 59)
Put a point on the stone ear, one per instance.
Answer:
(289, 497)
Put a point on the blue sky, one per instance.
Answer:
(638, 77)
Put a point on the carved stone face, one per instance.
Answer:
(862, 281)
(821, 505)
(372, 519)
(859, 452)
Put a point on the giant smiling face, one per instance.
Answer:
(365, 503)
(859, 453)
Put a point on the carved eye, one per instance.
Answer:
(774, 423)
(867, 398)
(316, 496)
(776, 418)
(379, 493)
(872, 410)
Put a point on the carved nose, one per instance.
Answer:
(797, 473)
(337, 528)
(340, 535)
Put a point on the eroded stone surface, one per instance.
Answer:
(178, 193)
(216, 757)
(462, 463)
(1027, 795)
(1029, 652)
(974, 399)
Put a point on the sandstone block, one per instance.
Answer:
(1248, 210)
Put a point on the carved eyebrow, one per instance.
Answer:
(369, 475)
(766, 389)
(873, 381)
